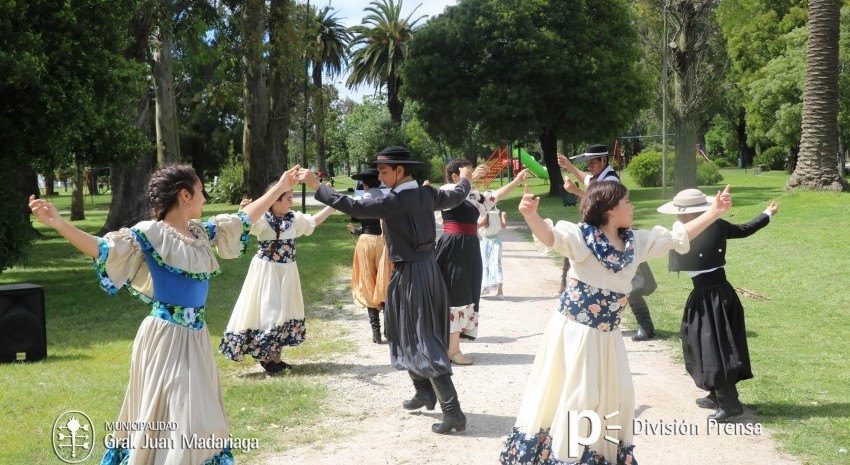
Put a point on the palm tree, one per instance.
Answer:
(817, 165)
(383, 38)
(327, 53)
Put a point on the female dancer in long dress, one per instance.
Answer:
(269, 313)
(581, 364)
(167, 263)
(459, 255)
(371, 266)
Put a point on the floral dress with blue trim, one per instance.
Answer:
(173, 376)
(269, 313)
(581, 364)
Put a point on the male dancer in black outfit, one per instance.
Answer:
(416, 313)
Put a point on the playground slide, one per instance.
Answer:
(529, 162)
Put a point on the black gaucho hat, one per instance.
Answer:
(594, 151)
(369, 174)
(395, 155)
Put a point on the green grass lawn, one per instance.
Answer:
(798, 338)
(90, 337)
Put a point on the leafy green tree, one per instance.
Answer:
(271, 73)
(380, 47)
(697, 64)
(557, 69)
(817, 165)
(328, 52)
(67, 90)
(757, 32)
(774, 101)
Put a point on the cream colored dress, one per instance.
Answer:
(581, 364)
(173, 412)
(269, 313)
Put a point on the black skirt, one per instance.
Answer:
(459, 259)
(714, 336)
(416, 315)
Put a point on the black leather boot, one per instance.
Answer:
(730, 406)
(424, 397)
(709, 401)
(646, 329)
(375, 323)
(453, 417)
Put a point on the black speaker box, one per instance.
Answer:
(23, 335)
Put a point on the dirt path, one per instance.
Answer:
(370, 427)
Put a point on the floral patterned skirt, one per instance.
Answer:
(577, 368)
(269, 313)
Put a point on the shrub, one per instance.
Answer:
(708, 174)
(773, 158)
(646, 169)
(230, 186)
(723, 163)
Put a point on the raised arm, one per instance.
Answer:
(47, 214)
(323, 214)
(541, 229)
(566, 164)
(287, 181)
(507, 188)
(722, 203)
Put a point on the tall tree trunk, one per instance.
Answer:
(167, 136)
(319, 118)
(280, 88)
(49, 180)
(745, 152)
(394, 103)
(129, 182)
(255, 153)
(685, 163)
(817, 163)
(78, 196)
(549, 144)
(693, 26)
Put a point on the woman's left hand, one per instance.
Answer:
(44, 211)
(723, 201)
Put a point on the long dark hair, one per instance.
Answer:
(599, 199)
(165, 185)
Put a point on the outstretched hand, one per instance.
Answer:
(723, 201)
(522, 176)
(289, 178)
(773, 207)
(571, 187)
(563, 161)
(528, 204)
(44, 211)
(306, 177)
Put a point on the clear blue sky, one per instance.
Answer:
(350, 13)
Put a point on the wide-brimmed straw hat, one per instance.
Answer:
(594, 151)
(367, 174)
(395, 155)
(687, 201)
